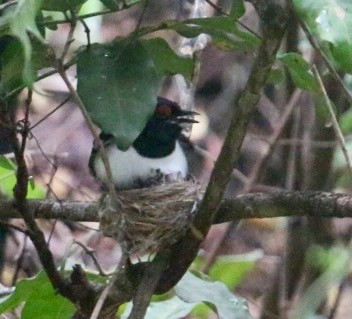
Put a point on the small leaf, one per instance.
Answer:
(231, 269)
(39, 298)
(62, 5)
(167, 62)
(223, 30)
(116, 5)
(193, 289)
(238, 9)
(331, 22)
(8, 180)
(118, 84)
(299, 70)
(7, 164)
(276, 76)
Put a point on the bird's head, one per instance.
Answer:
(163, 128)
(171, 112)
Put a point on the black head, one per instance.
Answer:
(159, 137)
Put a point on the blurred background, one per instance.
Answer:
(288, 146)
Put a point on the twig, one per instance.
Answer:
(8, 225)
(219, 9)
(34, 232)
(90, 124)
(326, 61)
(335, 124)
(90, 253)
(41, 77)
(273, 139)
(103, 296)
(337, 301)
(69, 41)
(50, 113)
(19, 261)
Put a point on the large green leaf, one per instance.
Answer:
(193, 289)
(166, 60)
(19, 21)
(300, 71)
(118, 84)
(331, 21)
(40, 300)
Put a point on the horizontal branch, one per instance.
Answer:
(255, 205)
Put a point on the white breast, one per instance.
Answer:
(129, 166)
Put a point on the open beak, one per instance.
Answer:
(184, 117)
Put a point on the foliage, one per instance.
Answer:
(129, 71)
(39, 298)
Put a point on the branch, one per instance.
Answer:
(254, 205)
(244, 107)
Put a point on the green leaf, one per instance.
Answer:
(8, 180)
(224, 33)
(193, 289)
(19, 21)
(231, 269)
(331, 21)
(299, 70)
(40, 300)
(62, 5)
(13, 62)
(345, 121)
(173, 308)
(167, 62)
(334, 266)
(276, 76)
(116, 5)
(223, 30)
(118, 84)
(238, 9)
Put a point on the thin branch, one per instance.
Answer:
(219, 10)
(41, 77)
(11, 226)
(90, 253)
(104, 157)
(331, 69)
(50, 113)
(273, 139)
(34, 232)
(335, 124)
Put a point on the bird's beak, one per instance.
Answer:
(184, 117)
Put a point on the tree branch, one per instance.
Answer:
(254, 205)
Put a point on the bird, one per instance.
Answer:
(154, 154)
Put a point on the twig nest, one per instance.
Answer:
(151, 218)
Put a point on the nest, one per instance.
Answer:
(151, 218)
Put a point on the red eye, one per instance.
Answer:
(163, 110)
